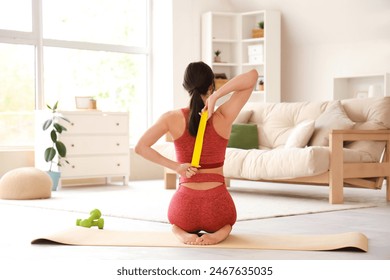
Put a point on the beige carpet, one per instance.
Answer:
(95, 237)
(150, 202)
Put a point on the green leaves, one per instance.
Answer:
(50, 153)
(54, 108)
(61, 149)
(47, 124)
(53, 136)
(60, 128)
(54, 121)
(58, 148)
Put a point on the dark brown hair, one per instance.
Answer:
(198, 77)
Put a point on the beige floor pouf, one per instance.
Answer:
(25, 183)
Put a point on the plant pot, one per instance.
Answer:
(257, 33)
(217, 59)
(55, 178)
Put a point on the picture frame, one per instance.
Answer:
(85, 102)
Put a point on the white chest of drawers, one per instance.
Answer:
(97, 145)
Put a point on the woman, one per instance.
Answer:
(202, 202)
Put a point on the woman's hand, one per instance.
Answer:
(186, 170)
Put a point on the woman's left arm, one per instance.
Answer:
(241, 86)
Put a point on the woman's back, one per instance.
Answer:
(214, 145)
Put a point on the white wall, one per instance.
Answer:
(326, 38)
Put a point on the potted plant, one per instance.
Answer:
(56, 152)
(217, 58)
(258, 32)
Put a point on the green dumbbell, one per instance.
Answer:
(93, 221)
(88, 223)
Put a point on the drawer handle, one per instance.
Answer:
(117, 124)
(72, 124)
(73, 166)
(118, 144)
(118, 164)
(72, 145)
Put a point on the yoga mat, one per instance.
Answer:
(199, 139)
(95, 237)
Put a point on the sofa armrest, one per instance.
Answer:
(340, 170)
(357, 135)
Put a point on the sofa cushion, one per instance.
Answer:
(283, 163)
(300, 135)
(369, 114)
(244, 136)
(277, 120)
(243, 116)
(276, 163)
(374, 148)
(333, 118)
(368, 109)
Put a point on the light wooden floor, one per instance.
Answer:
(21, 224)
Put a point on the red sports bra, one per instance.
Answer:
(213, 150)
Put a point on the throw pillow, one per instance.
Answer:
(244, 136)
(300, 135)
(333, 118)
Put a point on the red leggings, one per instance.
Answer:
(202, 210)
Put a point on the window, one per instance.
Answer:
(93, 48)
(16, 15)
(119, 22)
(16, 94)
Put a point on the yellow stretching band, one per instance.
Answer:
(199, 139)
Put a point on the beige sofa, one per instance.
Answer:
(335, 143)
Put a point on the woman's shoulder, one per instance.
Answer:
(175, 122)
(173, 117)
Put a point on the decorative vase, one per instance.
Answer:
(55, 177)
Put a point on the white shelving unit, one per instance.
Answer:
(231, 33)
(361, 86)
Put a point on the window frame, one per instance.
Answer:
(35, 38)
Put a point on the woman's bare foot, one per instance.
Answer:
(185, 237)
(215, 237)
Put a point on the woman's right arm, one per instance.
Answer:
(242, 87)
(150, 137)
